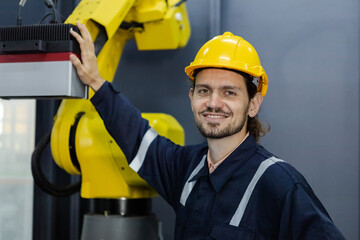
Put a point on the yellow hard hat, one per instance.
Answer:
(230, 52)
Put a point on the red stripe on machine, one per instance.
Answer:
(37, 57)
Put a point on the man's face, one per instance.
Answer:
(220, 103)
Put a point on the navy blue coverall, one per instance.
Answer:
(251, 195)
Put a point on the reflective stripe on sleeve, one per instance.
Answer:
(190, 185)
(236, 219)
(148, 138)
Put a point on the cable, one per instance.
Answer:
(54, 18)
(19, 19)
(39, 177)
(179, 3)
(44, 17)
(51, 4)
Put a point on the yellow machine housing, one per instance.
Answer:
(154, 24)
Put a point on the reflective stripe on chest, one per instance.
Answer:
(190, 185)
(236, 219)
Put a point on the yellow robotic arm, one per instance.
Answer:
(80, 143)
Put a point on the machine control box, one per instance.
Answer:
(35, 62)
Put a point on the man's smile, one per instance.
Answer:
(214, 115)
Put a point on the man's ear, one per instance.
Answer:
(255, 104)
(191, 93)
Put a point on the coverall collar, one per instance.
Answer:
(230, 165)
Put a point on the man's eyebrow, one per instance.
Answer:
(230, 87)
(235, 88)
(225, 87)
(202, 85)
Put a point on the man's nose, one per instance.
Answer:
(214, 101)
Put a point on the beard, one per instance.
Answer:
(212, 131)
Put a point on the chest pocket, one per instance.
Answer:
(220, 232)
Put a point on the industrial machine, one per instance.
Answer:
(80, 143)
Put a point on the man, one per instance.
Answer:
(229, 187)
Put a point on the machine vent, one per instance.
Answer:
(45, 32)
(47, 38)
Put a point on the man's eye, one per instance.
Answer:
(230, 93)
(203, 91)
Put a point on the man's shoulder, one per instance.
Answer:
(280, 174)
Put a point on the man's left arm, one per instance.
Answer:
(304, 217)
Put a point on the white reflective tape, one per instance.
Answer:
(190, 185)
(236, 219)
(148, 138)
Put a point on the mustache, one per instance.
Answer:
(215, 110)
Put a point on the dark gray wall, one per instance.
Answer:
(310, 50)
